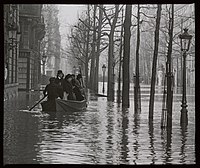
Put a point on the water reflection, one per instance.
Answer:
(183, 142)
(136, 134)
(151, 135)
(110, 132)
(103, 134)
(124, 144)
(19, 133)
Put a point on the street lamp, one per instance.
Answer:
(18, 36)
(185, 45)
(74, 68)
(104, 70)
(44, 57)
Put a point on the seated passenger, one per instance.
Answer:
(80, 80)
(69, 87)
(79, 96)
(77, 89)
(75, 81)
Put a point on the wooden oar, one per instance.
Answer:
(37, 103)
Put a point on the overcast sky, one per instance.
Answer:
(68, 15)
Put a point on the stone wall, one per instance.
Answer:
(10, 91)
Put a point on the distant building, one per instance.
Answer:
(52, 39)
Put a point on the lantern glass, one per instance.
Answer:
(44, 58)
(185, 40)
(103, 68)
(18, 36)
(77, 71)
(74, 68)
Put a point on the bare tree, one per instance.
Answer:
(98, 49)
(110, 86)
(126, 57)
(153, 78)
(169, 69)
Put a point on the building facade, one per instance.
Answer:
(23, 30)
(11, 50)
(32, 32)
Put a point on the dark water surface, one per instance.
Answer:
(103, 134)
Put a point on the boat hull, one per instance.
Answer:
(70, 105)
(48, 106)
(60, 105)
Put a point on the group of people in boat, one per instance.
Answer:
(66, 87)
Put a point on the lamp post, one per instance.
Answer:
(74, 69)
(44, 57)
(104, 70)
(185, 45)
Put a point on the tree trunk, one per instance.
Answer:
(126, 58)
(153, 78)
(111, 82)
(169, 72)
(98, 50)
(137, 101)
(120, 63)
(93, 58)
(87, 48)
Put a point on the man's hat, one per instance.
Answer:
(68, 76)
(59, 72)
(52, 79)
(79, 76)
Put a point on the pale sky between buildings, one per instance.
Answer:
(68, 15)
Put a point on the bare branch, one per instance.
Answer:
(148, 16)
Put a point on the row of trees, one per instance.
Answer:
(51, 44)
(107, 32)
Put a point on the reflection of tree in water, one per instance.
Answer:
(166, 136)
(110, 132)
(91, 134)
(135, 131)
(124, 147)
(183, 141)
(151, 135)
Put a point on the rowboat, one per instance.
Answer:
(60, 105)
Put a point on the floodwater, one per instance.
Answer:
(103, 134)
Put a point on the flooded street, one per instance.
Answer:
(103, 134)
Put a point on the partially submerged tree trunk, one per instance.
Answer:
(98, 49)
(169, 70)
(153, 78)
(126, 58)
(110, 90)
(87, 47)
(120, 63)
(137, 101)
(93, 58)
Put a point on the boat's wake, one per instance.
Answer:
(32, 111)
(35, 113)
